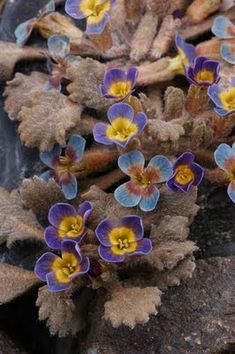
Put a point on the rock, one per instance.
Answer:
(195, 318)
(7, 346)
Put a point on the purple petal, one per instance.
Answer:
(135, 223)
(190, 75)
(222, 112)
(75, 148)
(184, 188)
(144, 247)
(126, 195)
(85, 210)
(231, 191)
(149, 202)
(107, 255)
(96, 27)
(102, 232)
(69, 187)
(60, 211)
(52, 238)
(185, 159)
(72, 7)
(44, 264)
(171, 185)
(120, 110)
(198, 64)
(54, 285)
(141, 120)
(69, 246)
(112, 76)
(198, 173)
(49, 158)
(188, 49)
(99, 133)
(132, 75)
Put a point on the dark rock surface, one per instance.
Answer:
(7, 346)
(195, 318)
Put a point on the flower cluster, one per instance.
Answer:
(96, 13)
(224, 29)
(118, 240)
(24, 30)
(65, 166)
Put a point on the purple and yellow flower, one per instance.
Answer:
(24, 30)
(64, 167)
(185, 57)
(122, 239)
(223, 28)
(224, 99)
(119, 84)
(225, 159)
(60, 272)
(141, 189)
(124, 126)
(67, 223)
(96, 13)
(205, 72)
(186, 173)
(58, 59)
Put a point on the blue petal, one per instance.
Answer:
(48, 157)
(70, 189)
(72, 8)
(23, 32)
(97, 28)
(43, 265)
(76, 144)
(163, 165)
(59, 46)
(49, 7)
(54, 285)
(99, 133)
(107, 255)
(223, 153)
(46, 175)
(120, 110)
(149, 203)
(129, 159)
(223, 28)
(124, 196)
(222, 112)
(213, 92)
(227, 51)
(231, 191)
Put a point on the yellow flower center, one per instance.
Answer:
(121, 129)
(142, 179)
(228, 99)
(65, 267)
(94, 10)
(123, 240)
(184, 175)
(177, 64)
(71, 226)
(120, 89)
(205, 75)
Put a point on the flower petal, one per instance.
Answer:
(135, 223)
(144, 247)
(231, 191)
(107, 255)
(58, 212)
(171, 185)
(74, 9)
(85, 210)
(46, 176)
(75, 147)
(223, 112)
(149, 202)
(184, 188)
(213, 92)
(102, 232)
(222, 154)
(185, 159)
(54, 83)
(223, 28)
(52, 238)
(49, 7)
(69, 187)
(23, 32)
(198, 172)
(132, 75)
(50, 157)
(54, 285)
(118, 110)
(127, 195)
(186, 48)
(110, 77)
(227, 51)
(70, 246)
(96, 24)
(163, 168)
(141, 120)
(43, 265)
(99, 133)
(59, 46)
(131, 162)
